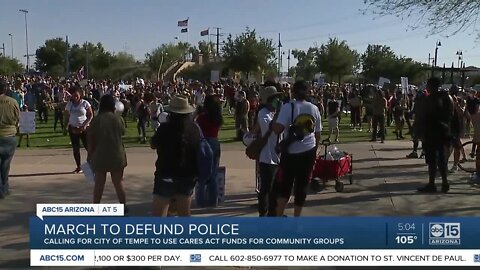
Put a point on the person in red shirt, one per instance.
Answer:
(210, 120)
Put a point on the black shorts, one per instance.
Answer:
(172, 186)
(456, 142)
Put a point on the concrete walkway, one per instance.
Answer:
(384, 184)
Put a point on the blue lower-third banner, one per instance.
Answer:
(308, 233)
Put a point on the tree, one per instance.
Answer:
(439, 15)
(51, 55)
(206, 49)
(9, 66)
(248, 53)
(377, 61)
(306, 66)
(381, 61)
(336, 59)
(164, 56)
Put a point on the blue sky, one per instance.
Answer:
(139, 26)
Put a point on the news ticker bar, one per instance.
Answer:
(255, 257)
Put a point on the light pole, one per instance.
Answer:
(438, 44)
(460, 56)
(26, 37)
(160, 67)
(11, 42)
(288, 62)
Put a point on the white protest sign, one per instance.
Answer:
(214, 76)
(382, 81)
(27, 122)
(404, 82)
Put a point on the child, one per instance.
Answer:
(24, 109)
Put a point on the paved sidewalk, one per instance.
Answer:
(384, 184)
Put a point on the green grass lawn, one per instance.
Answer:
(46, 138)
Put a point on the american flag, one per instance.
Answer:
(204, 33)
(80, 74)
(183, 23)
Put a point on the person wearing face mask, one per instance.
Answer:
(269, 158)
(78, 114)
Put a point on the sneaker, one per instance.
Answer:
(472, 155)
(412, 155)
(463, 160)
(429, 188)
(475, 180)
(445, 187)
(78, 170)
(422, 155)
(360, 130)
(454, 169)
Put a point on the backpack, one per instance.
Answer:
(205, 158)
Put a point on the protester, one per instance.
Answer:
(20, 134)
(379, 109)
(301, 123)
(241, 115)
(333, 117)
(457, 128)
(437, 143)
(155, 108)
(418, 127)
(9, 118)
(176, 143)
(106, 152)
(356, 110)
(269, 158)
(473, 110)
(60, 102)
(399, 117)
(210, 121)
(78, 115)
(143, 113)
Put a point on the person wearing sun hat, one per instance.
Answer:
(269, 159)
(176, 143)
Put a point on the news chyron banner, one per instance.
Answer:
(99, 235)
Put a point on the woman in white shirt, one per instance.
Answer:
(269, 159)
(78, 114)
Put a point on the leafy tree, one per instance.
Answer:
(51, 55)
(164, 56)
(377, 61)
(439, 15)
(381, 61)
(9, 66)
(306, 66)
(206, 49)
(336, 59)
(248, 53)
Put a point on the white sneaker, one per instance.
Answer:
(454, 169)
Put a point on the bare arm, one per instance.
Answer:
(89, 118)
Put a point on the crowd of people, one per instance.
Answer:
(288, 118)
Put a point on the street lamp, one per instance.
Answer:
(11, 42)
(26, 37)
(438, 44)
(460, 56)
